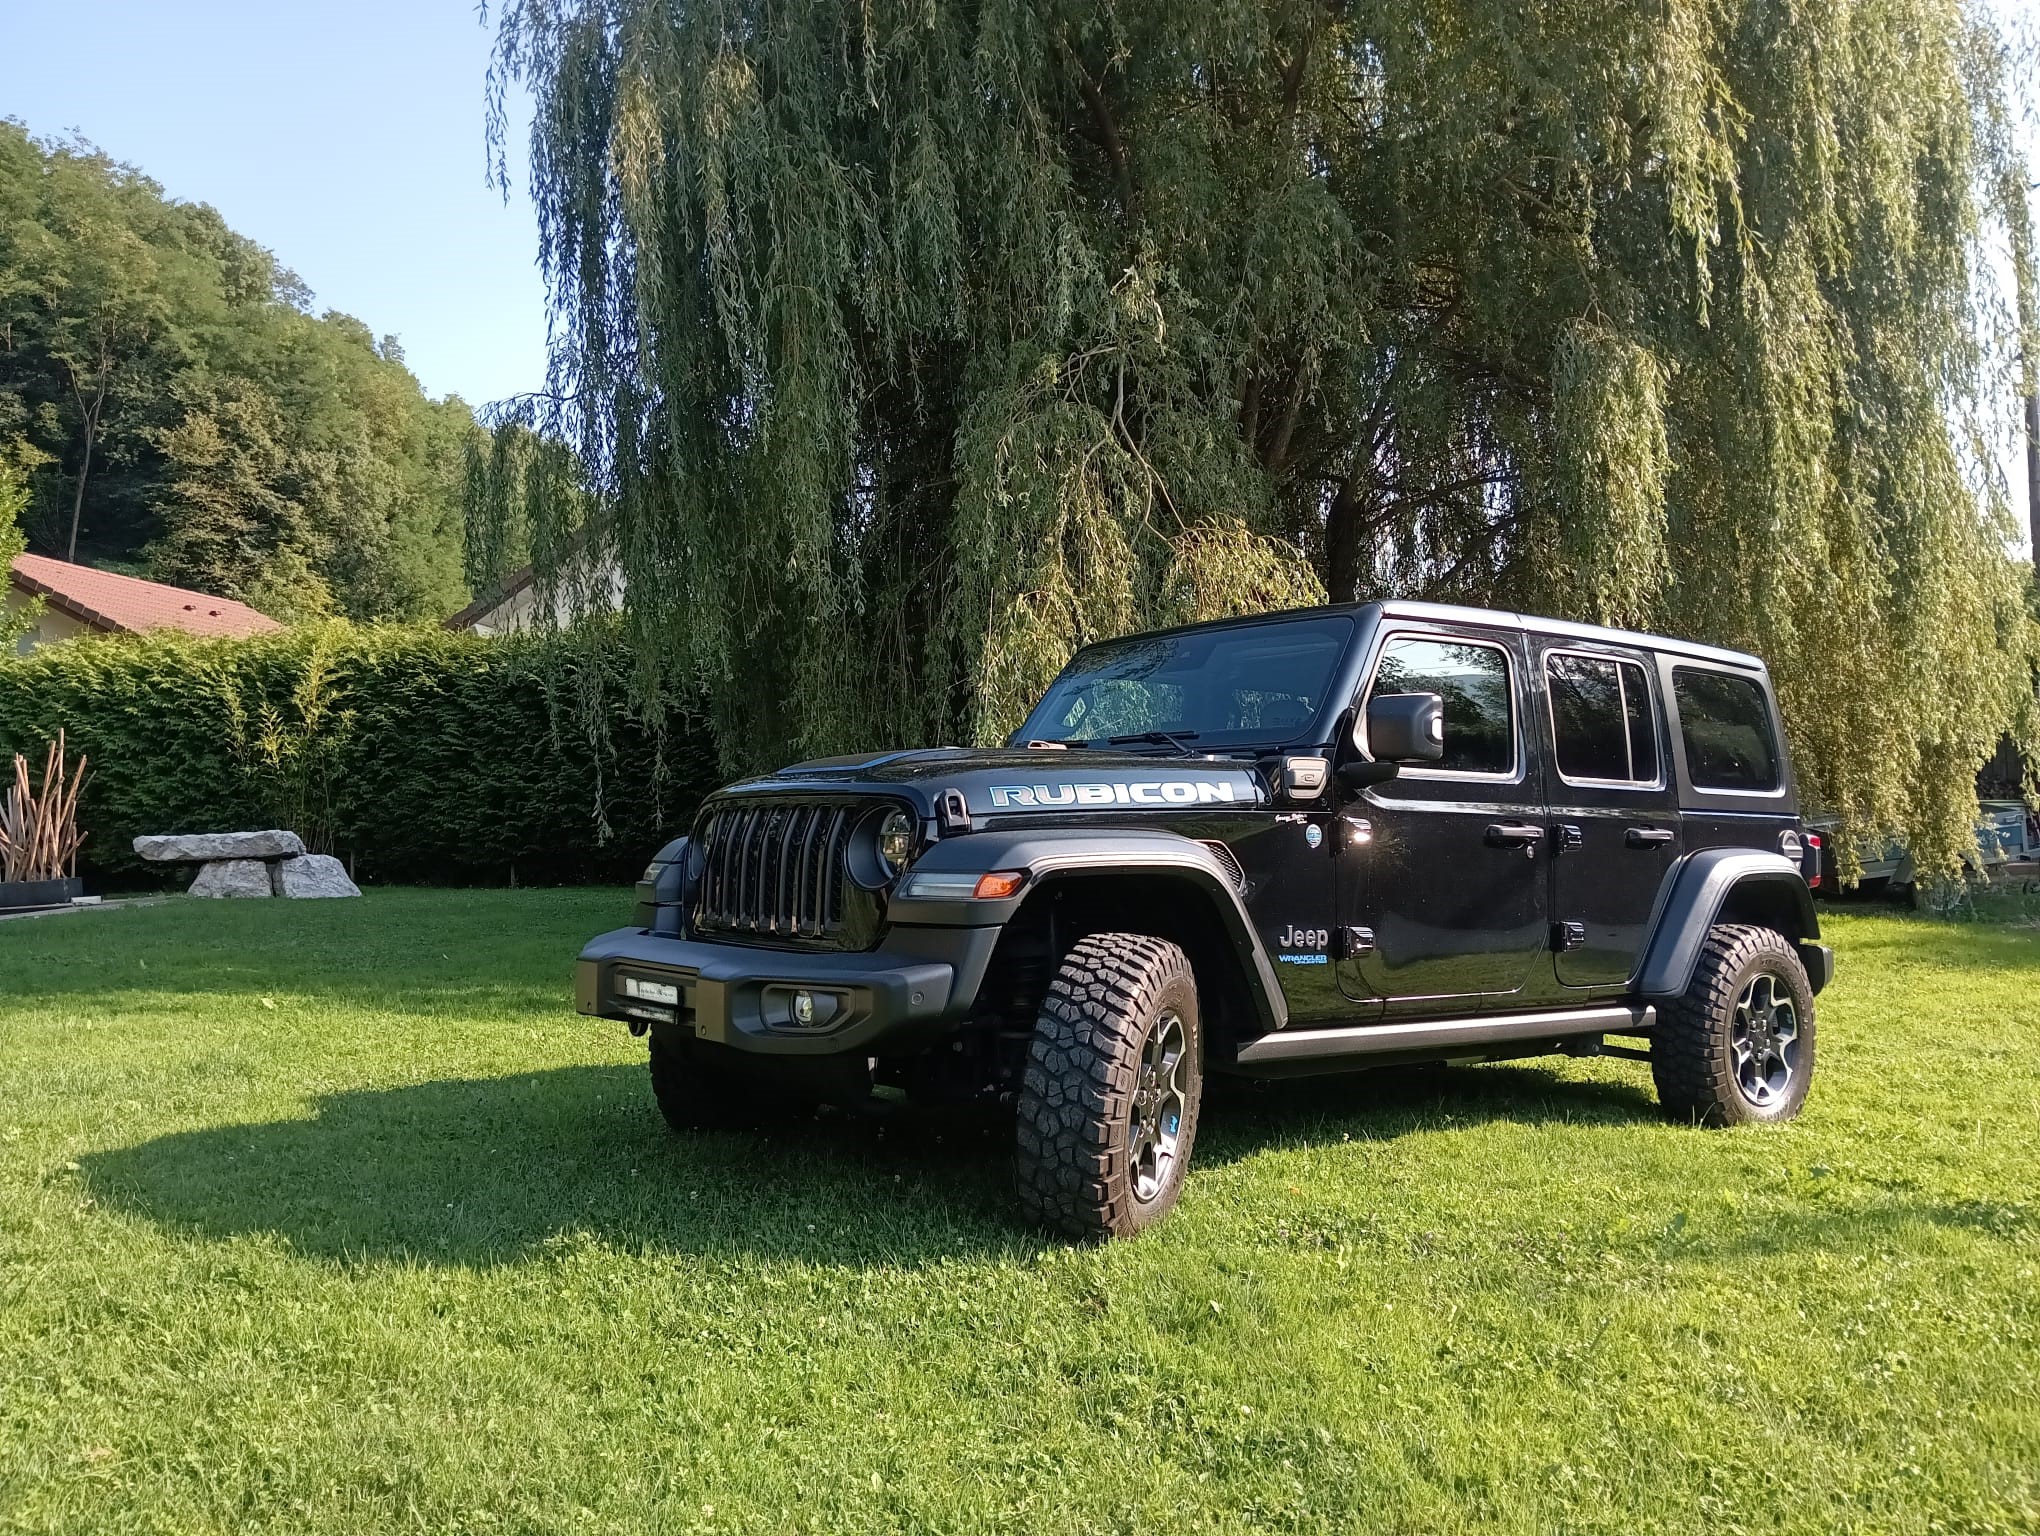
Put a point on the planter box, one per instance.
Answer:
(17, 895)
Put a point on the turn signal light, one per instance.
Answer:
(999, 884)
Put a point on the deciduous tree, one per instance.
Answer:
(193, 416)
(910, 345)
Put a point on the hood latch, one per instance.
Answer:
(952, 813)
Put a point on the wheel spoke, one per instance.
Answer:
(1148, 1169)
(1157, 1108)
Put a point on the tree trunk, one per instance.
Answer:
(88, 416)
(1343, 532)
(78, 501)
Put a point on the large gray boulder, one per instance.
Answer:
(203, 847)
(312, 875)
(232, 877)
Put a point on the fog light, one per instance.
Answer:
(803, 1007)
(652, 991)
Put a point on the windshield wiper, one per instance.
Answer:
(1158, 738)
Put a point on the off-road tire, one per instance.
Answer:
(1085, 1085)
(696, 1093)
(1694, 1053)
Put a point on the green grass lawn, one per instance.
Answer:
(335, 1217)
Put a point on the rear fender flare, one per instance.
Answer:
(1704, 886)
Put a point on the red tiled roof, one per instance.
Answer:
(131, 605)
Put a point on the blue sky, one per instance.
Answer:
(348, 138)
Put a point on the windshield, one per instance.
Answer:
(1262, 683)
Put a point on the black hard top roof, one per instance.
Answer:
(1449, 613)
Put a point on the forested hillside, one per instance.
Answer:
(177, 408)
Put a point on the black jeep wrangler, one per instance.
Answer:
(1307, 842)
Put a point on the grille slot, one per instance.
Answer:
(776, 869)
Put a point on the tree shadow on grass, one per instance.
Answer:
(486, 1171)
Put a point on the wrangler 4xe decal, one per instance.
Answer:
(1135, 792)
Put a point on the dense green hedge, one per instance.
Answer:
(417, 755)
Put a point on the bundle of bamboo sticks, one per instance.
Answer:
(39, 834)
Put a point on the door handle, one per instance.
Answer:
(1647, 837)
(1513, 834)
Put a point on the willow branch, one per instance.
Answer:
(1101, 118)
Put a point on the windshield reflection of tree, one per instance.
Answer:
(1160, 687)
(1244, 684)
(1120, 696)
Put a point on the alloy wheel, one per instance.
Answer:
(1764, 1041)
(1156, 1114)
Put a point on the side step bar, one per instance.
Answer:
(1443, 1037)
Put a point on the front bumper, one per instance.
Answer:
(749, 998)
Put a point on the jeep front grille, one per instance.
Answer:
(776, 869)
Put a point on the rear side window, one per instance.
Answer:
(1601, 720)
(1726, 723)
(1473, 681)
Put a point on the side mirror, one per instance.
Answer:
(1405, 728)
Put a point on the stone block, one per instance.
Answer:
(311, 875)
(203, 847)
(232, 877)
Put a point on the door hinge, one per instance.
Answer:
(1354, 942)
(1566, 936)
(1569, 837)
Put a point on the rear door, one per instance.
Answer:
(1614, 807)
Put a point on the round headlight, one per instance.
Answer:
(896, 840)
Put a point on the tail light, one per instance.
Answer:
(1814, 844)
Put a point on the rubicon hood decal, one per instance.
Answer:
(1117, 792)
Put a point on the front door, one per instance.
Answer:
(1445, 903)
(1614, 809)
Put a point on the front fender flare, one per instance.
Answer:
(1701, 887)
(1050, 855)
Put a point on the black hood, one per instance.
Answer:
(997, 781)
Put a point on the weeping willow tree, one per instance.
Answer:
(905, 346)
